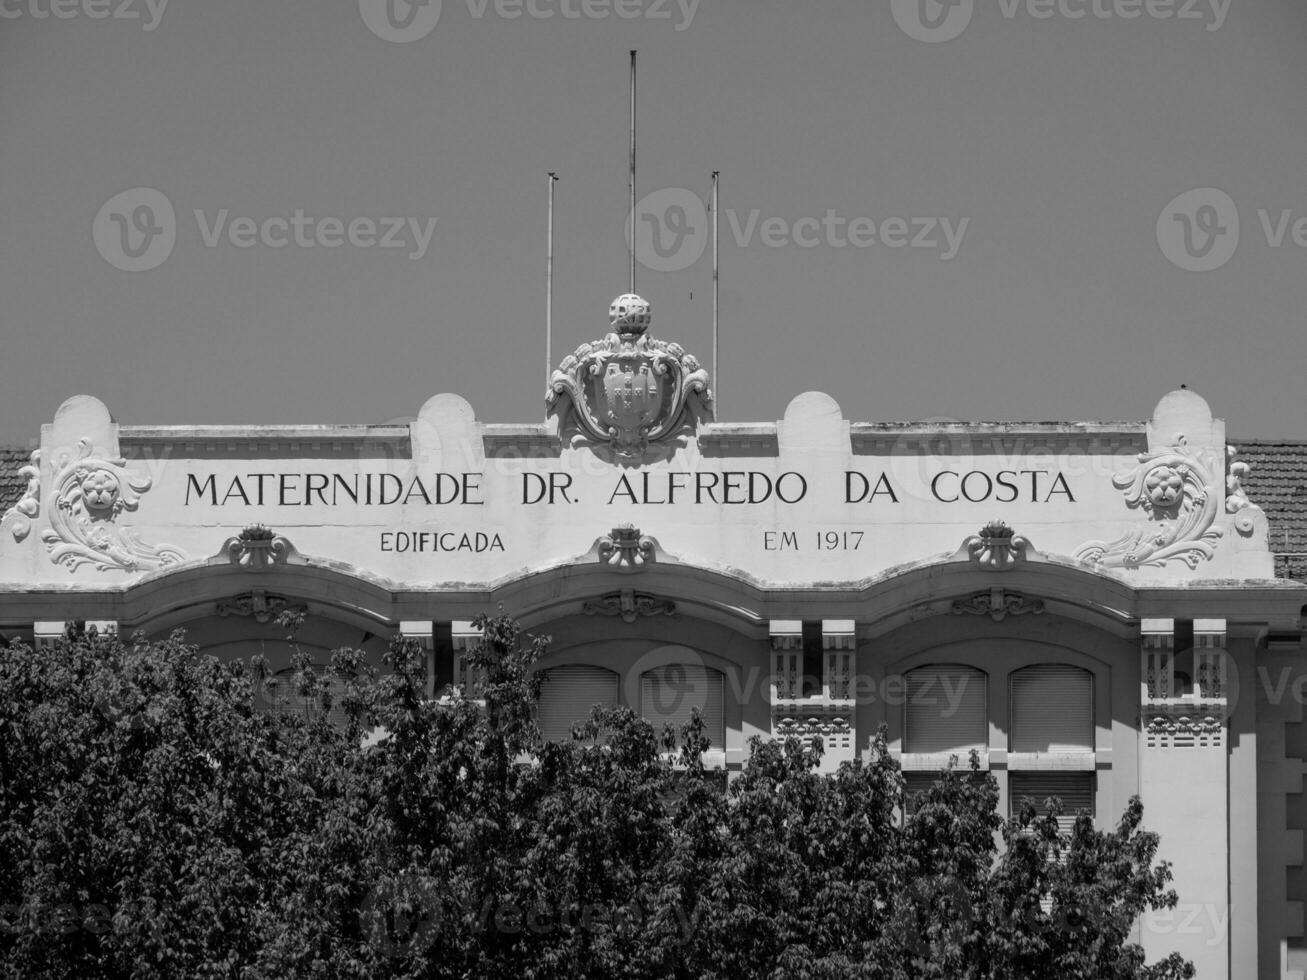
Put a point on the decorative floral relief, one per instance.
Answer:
(627, 549)
(628, 604)
(1177, 489)
(88, 493)
(258, 605)
(998, 604)
(1236, 501)
(29, 506)
(997, 547)
(257, 548)
(1185, 725)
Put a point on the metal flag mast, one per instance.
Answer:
(716, 378)
(631, 212)
(549, 285)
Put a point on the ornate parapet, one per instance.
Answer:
(629, 390)
(88, 492)
(1188, 487)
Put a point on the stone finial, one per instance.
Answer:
(629, 315)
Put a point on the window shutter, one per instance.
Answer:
(1075, 789)
(567, 696)
(1052, 709)
(669, 694)
(946, 711)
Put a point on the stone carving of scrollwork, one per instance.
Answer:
(1236, 500)
(628, 604)
(27, 508)
(998, 604)
(1178, 491)
(997, 547)
(87, 494)
(256, 604)
(257, 548)
(626, 549)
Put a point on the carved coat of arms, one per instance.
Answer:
(629, 389)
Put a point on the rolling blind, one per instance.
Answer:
(920, 781)
(946, 711)
(669, 694)
(567, 696)
(1052, 709)
(1074, 789)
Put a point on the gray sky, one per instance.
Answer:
(1032, 160)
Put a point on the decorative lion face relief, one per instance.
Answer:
(1165, 487)
(87, 495)
(1178, 490)
(100, 489)
(629, 390)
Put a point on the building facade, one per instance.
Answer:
(1100, 610)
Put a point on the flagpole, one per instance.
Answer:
(631, 288)
(549, 285)
(716, 378)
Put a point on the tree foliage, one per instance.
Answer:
(155, 822)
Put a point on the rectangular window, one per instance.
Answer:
(1074, 789)
(568, 695)
(670, 695)
(947, 711)
(1052, 710)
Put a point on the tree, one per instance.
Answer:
(155, 823)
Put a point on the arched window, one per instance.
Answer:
(669, 695)
(1052, 710)
(567, 696)
(947, 711)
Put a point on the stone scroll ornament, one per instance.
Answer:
(1178, 491)
(87, 493)
(28, 507)
(629, 390)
